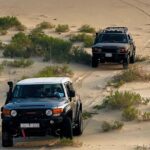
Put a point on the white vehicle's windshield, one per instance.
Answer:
(38, 91)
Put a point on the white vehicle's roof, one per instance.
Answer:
(46, 80)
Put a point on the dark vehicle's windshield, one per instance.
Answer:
(112, 38)
(38, 91)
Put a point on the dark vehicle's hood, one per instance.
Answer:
(32, 103)
(112, 45)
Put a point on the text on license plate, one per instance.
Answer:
(29, 125)
(108, 55)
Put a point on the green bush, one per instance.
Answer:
(53, 71)
(107, 126)
(86, 39)
(38, 44)
(1, 68)
(134, 73)
(140, 58)
(86, 115)
(120, 100)
(79, 55)
(62, 28)
(130, 113)
(87, 28)
(18, 63)
(20, 46)
(146, 116)
(3, 32)
(45, 25)
(8, 22)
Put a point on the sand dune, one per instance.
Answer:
(91, 83)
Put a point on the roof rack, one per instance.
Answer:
(115, 30)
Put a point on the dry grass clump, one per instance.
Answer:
(108, 126)
(82, 37)
(126, 102)
(21, 63)
(144, 147)
(68, 142)
(134, 73)
(130, 114)
(1, 68)
(53, 71)
(45, 25)
(121, 100)
(62, 28)
(86, 115)
(140, 58)
(87, 29)
(9, 22)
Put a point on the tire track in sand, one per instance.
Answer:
(136, 7)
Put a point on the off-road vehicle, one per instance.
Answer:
(40, 106)
(113, 44)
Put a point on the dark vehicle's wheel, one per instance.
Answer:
(7, 139)
(79, 128)
(94, 62)
(132, 58)
(67, 129)
(126, 62)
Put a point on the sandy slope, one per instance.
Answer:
(91, 83)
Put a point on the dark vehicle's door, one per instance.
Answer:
(132, 46)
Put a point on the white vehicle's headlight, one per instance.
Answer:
(13, 113)
(48, 112)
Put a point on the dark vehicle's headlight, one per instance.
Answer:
(48, 112)
(13, 113)
(6, 112)
(96, 49)
(123, 50)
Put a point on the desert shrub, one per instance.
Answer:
(107, 126)
(51, 71)
(120, 100)
(86, 39)
(87, 28)
(130, 113)
(134, 73)
(18, 63)
(8, 22)
(1, 45)
(49, 47)
(140, 58)
(45, 25)
(86, 115)
(20, 46)
(58, 50)
(144, 147)
(62, 28)
(1, 68)
(145, 116)
(3, 32)
(38, 44)
(68, 142)
(79, 55)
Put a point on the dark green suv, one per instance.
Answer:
(113, 44)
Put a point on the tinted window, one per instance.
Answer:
(38, 91)
(113, 38)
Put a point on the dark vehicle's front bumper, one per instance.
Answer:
(113, 57)
(49, 124)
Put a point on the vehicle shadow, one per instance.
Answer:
(109, 67)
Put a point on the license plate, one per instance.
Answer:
(108, 55)
(29, 125)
